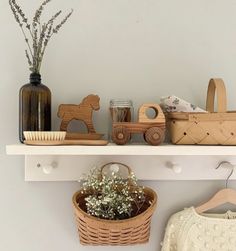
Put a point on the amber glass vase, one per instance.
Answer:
(35, 106)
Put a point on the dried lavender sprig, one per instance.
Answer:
(28, 57)
(51, 31)
(50, 27)
(38, 42)
(22, 15)
(36, 25)
(35, 47)
(15, 13)
(40, 45)
(20, 12)
(48, 35)
(27, 41)
(40, 34)
(52, 19)
(58, 27)
(38, 12)
(14, 10)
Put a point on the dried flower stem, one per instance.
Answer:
(27, 41)
(28, 57)
(40, 34)
(17, 11)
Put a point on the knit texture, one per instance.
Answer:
(189, 231)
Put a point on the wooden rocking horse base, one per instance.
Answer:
(86, 136)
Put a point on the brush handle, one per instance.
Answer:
(83, 142)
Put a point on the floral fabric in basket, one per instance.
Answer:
(175, 104)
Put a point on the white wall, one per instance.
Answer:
(140, 49)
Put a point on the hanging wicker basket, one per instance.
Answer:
(96, 231)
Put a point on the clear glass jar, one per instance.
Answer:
(121, 110)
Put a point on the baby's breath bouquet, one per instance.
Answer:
(37, 33)
(108, 195)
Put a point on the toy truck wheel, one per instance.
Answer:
(154, 136)
(120, 135)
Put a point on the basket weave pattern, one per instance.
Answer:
(95, 231)
(212, 128)
(203, 133)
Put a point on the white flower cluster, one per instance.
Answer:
(111, 196)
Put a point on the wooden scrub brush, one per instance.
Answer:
(56, 138)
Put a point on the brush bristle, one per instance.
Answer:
(44, 136)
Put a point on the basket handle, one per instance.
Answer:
(216, 86)
(118, 163)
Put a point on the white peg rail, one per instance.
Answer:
(165, 162)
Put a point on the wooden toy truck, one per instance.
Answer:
(153, 129)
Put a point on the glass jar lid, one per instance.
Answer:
(121, 103)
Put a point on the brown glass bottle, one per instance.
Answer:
(35, 106)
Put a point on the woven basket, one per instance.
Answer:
(212, 128)
(96, 231)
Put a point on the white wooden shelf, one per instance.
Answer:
(165, 162)
(111, 149)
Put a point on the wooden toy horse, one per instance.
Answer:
(83, 112)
